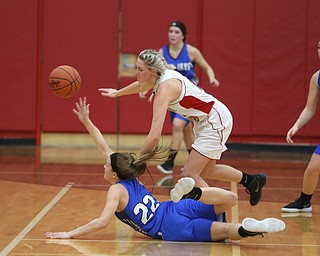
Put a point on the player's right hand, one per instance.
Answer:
(108, 92)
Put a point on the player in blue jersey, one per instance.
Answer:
(311, 174)
(182, 57)
(186, 220)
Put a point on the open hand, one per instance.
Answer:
(82, 109)
(108, 92)
(58, 235)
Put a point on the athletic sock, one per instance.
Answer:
(172, 155)
(246, 179)
(305, 198)
(245, 233)
(195, 194)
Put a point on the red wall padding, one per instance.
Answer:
(82, 34)
(145, 23)
(279, 69)
(18, 29)
(259, 51)
(227, 45)
(263, 53)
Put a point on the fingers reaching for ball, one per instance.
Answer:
(82, 109)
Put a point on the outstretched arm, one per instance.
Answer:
(82, 111)
(133, 88)
(309, 110)
(112, 202)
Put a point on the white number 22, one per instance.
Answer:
(146, 216)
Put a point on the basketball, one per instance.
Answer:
(64, 81)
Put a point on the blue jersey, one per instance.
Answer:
(319, 79)
(182, 63)
(143, 212)
(187, 220)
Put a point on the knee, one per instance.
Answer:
(313, 169)
(232, 198)
(177, 128)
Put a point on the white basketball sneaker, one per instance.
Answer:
(268, 225)
(183, 186)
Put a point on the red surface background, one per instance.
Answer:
(263, 52)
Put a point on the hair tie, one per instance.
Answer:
(113, 158)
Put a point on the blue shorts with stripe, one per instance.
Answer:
(189, 220)
(174, 115)
(317, 150)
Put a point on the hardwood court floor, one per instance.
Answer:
(58, 189)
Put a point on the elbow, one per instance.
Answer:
(101, 223)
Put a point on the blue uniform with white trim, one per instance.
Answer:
(187, 220)
(182, 63)
(184, 66)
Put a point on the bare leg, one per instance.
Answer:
(221, 231)
(311, 175)
(222, 199)
(198, 164)
(177, 133)
(188, 136)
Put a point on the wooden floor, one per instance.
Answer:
(60, 188)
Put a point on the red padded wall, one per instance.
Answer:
(149, 29)
(18, 29)
(279, 65)
(227, 46)
(83, 34)
(263, 53)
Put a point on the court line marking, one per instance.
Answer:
(235, 219)
(35, 220)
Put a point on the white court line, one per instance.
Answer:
(36, 219)
(235, 219)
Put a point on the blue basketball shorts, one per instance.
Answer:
(317, 150)
(174, 115)
(189, 220)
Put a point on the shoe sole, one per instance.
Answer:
(183, 186)
(164, 171)
(269, 225)
(296, 210)
(296, 214)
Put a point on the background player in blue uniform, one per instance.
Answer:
(182, 57)
(133, 204)
(311, 174)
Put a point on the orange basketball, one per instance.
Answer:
(64, 81)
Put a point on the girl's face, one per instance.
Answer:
(108, 172)
(175, 35)
(143, 74)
